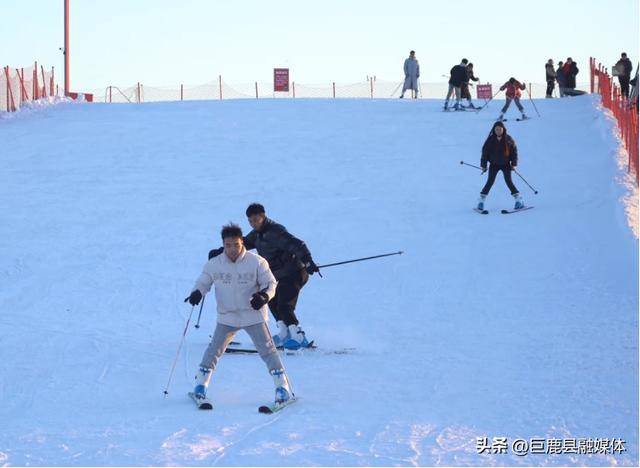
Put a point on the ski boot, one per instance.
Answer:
(446, 105)
(283, 390)
(297, 338)
(481, 200)
(519, 201)
(203, 377)
(282, 335)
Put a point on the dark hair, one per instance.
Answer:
(512, 80)
(412, 52)
(255, 208)
(469, 65)
(465, 61)
(624, 54)
(493, 139)
(231, 230)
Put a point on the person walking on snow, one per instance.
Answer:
(466, 93)
(243, 286)
(458, 75)
(513, 88)
(501, 152)
(561, 79)
(550, 75)
(291, 264)
(411, 75)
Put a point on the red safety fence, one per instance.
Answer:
(625, 112)
(20, 85)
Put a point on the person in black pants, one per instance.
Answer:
(501, 152)
(550, 75)
(624, 68)
(290, 262)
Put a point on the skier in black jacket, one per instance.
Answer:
(501, 152)
(458, 76)
(290, 262)
(466, 93)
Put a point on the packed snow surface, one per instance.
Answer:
(521, 326)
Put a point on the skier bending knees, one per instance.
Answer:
(501, 152)
(243, 285)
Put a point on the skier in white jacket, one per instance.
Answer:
(243, 285)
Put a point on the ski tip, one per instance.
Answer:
(265, 410)
(504, 211)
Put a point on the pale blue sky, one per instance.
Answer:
(167, 42)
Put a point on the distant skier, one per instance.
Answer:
(291, 264)
(466, 93)
(561, 79)
(411, 75)
(501, 152)
(513, 88)
(458, 75)
(243, 286)
(624, 68)
(550, 75)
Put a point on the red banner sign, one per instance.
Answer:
(484, 91)
(281, 80)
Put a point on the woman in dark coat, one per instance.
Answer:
(501, 152)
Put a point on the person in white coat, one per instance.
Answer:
(411, 75)
(243, 285)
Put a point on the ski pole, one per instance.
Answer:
(467, 164)
(525, 181)
(487, 103)
(175, 361)
(534, 106)
(359, 259)
(397, 87)
(200, 313)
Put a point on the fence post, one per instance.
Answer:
(334, 90)
(51, 81)
(256, 90)
(371, 86)
(138, 92)
(9, 91)
(293, 85)
(36, 94)
(23, 90)
(181, 92)
(44, 82)
(220, 85)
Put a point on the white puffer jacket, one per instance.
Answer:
(235, 283)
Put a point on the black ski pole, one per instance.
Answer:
(534, 106)
(175, 361)
(397, 87)
(359, 259)
(200, 313)
(467, 164)
(487, 103)
(525, 181)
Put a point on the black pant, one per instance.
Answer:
(550, 86)
(624, 85)
(493, 172)
(283, 304)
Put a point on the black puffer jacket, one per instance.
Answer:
(503, 152)
(286, 254)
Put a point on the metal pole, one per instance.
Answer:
(175, 361)
(66, 48)
(359, 259)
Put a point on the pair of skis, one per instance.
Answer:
(484, 212)
(204, 403)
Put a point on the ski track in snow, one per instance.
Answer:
(489, 326)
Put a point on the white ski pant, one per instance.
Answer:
(259, 334)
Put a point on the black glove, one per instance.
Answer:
(215, 252)
(258, 300)
(311, 266)
(194, 298)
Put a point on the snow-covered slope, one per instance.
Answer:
(519, 326)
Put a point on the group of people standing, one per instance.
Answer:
(564, 75)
